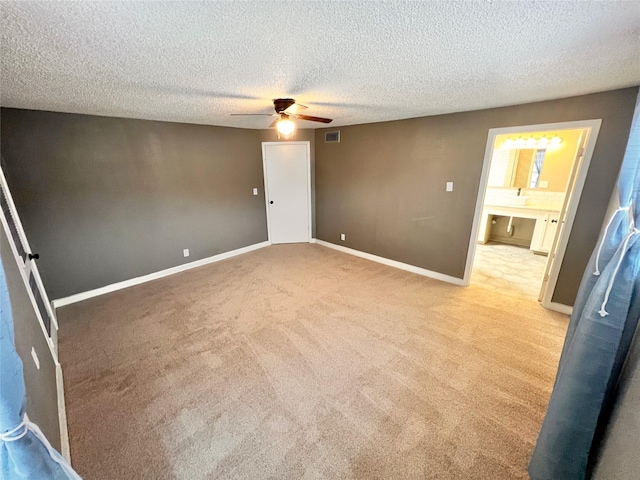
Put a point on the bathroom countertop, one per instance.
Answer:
(538, 207)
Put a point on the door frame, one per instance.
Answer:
(573, 175)
(28, 267)
(266, 185)
(594, 129)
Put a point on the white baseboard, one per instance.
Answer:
(78, 297)
(65, 451)
(559, 307)
(393, 263)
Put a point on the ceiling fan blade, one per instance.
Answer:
(314, 119)
(253, 114)
(295, 108)
(273, 124)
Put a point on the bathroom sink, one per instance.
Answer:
(511, 200)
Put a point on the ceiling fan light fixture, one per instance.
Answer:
(286, 127)
(286, 109)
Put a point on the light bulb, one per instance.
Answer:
(543, 142)
(519, 142)
(531, 142)
(286, 127)
(508, 143)
(556, 140)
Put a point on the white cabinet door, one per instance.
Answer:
(549, 231)
(286, 171)
(538, 232)
(544, 232)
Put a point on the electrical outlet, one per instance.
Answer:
(185, 252)
(343, 236)
(34, 355)
(544, 184)
(449, 186)
(255, 191)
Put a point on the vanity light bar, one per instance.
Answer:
(531, 142)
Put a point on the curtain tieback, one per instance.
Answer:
(16, 433)
(604, 236)
(26, 426)
(632, 231)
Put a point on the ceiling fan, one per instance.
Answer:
(287, 110)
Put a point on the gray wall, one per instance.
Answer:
(42, 396)
(107, 199)
(384, 184)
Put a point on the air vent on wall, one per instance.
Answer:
(332, 137)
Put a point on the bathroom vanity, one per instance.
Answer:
(543, 232)
(528, 180)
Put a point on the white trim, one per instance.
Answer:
(559, 307)
(393, 263)
(266, 186)
(25, 280)
(594, 127)
(25, 244)
(78, 297)
(570, 216)
(65, 451)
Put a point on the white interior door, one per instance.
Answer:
(287, 191)
(560, 220)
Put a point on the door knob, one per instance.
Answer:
(34, 256)
(554, 221)
(271, 202)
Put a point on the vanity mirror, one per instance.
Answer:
(518, 168)
(534, 160)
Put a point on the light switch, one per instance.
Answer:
(449, 186)
(255, 191)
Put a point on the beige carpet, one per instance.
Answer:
(296, 361)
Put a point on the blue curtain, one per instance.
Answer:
(25, 453)
(604, 321)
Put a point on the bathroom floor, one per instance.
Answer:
(508, 268)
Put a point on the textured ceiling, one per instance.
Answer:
(358, 61)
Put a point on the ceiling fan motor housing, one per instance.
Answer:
(281, 104)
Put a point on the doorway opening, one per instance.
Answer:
(530, 188)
